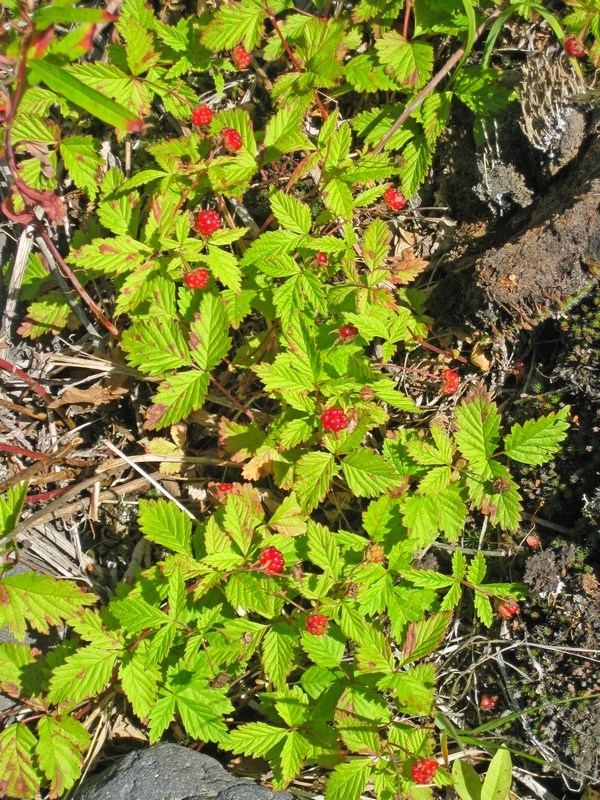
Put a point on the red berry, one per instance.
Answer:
(334, 419)
(487, 702)
(317, 624)
(272, 560)
(225, 488)
(574, 47)
(208, 222)
(241, 57)
(507, 608)
(423, 771)
(198, 279)
(322, 259)
(533, 540)
(348, 331)
(201, 115)
(450, 381)
(394, 199)
(232, 141)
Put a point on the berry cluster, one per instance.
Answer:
(334, 419)
(232, 141)
(272, 561)
(574, 47)
(201, 116)
(450, 381)
(348, 331)
(507, 608)
(225, 488)
(198, 279)
(241, 57)
(317, 624)
(423, 771)
(207, 222)
(394, 199)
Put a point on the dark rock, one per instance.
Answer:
(171, 772)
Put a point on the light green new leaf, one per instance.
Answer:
(11, 506)
(209, 341)
(279, 648)
(255, 739)
(368, 474)
(18, 776)
(60, 751)
(291, 213)
(483, 607)
(536, 441)
(38, 601)
(348, 780)
(498, 778)
(164, 524)
(477, 569)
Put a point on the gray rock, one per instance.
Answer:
(171, 772)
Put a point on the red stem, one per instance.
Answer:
(21, 451)
(38, 498)
(407, 10)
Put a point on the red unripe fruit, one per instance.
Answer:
(423, 771)
(334, 419)
(450, 381)
(394, 199)
(507, 608)
(232, 141)
(348, 331)
(317, 624)
(241, 57)
(272, 560)
(533, 540)
(207, 222)
(487, 702)
(322, 259)
(201, 116)
(574, 47)
(198, 279)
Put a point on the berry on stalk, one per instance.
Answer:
(533, 540)
(198, 279)
(348, 331)
(317, 624)
(271, 559)
(241, 57)
(207, 222)
(201, 116)
(574, 47)
(334, 419)
(423, 771)
(394, 199)
(232, 141)
(450, 381)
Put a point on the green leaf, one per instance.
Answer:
(293, 706)
(376, 244)
(293, 754)
(164, 524)
(338, 146)
(86, 98)
(338, 198)
(312, 479)
(478, 425)
(477, 569)
(38, 601)
(483, 608)
(368, 474)
(224, 266)
(18, 776)
(156, 346)
(467, 782)
(139, 679)
(283, 134)
(327, 650)
(209, 340)
(201, 710)
(373, 652)
(84, 674)
(113, 255)
(60, 751)
(409, 62)
(177, 397)
(289, 518)
(498, 778)
(240, 520)
(255, 739)
(536, 441)
(348, 780)
(291, 213)
(81, 158)
(279, 648)
(427, 578)
(424, 637)
(11, 507)
(323, 549)
(235, 23)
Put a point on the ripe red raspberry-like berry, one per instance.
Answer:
(322, 258)
(450, 381)
(272, 560)
(241, 57)
(507, 608)
(225, 488)
(574, 47)
(487, 702)
(334, 419)
(317, 624)
(394, 199)
(423, 771)
(201, 115)
(348, 331)
(232, 141)
(207, 222)
(533, 540)
(198, 279)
